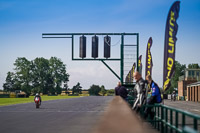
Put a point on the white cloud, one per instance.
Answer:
(92, 74)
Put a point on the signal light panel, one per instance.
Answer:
(95, 44)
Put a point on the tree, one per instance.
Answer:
(49, 75)
(94, 90)
(103, 90)
(58, 73)
(39, 75)
(23, 74)
(65, 86)
(76, 89)
(179, 71)
(9, 85)
(194, 66)
(110, 92)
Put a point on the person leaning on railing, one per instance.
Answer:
(155, 95)
(141, 92)
(121, 91)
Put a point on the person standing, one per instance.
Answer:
(156, 95)
(154, 98)
(173, 96)
(141, 91)
(121, 91)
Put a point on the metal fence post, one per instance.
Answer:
(162, 124)
(122, 58)
(183, 120)
(166, 120)
(176, 121)
(171, 120)
(159, 117)
(154, 118)
(195, 124)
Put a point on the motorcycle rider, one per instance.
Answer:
(37, 95)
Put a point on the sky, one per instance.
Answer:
(22, 23)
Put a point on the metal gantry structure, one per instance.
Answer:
(123, 46)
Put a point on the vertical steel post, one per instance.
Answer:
(183, 120)
(166, 120)
(195, 124)
(176, 121)
(72, 47)
(171, 120)
(122, 58)
(159, 118)
(155, 116)
(137, 51)
(162, 118)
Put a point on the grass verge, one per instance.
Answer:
(10, 101)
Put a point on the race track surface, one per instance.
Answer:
(77, 115)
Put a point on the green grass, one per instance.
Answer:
(10, 101)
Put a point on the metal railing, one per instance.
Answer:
(167, 119)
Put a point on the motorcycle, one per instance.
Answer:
(37, 102)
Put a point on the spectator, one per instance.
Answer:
(155, 96)
(173, 96)
(121, 91)
(141, 91)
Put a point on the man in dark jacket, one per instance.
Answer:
(155, 96)
(121, 91)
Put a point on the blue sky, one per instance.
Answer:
(22, 23)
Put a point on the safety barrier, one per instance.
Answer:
(167, 119)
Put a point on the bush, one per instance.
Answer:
(4, 96)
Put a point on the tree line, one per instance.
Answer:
(94, 90)
(37, 76)
(100, 90)
(47, 76)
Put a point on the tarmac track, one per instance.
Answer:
(193, 107)
(76, 115)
